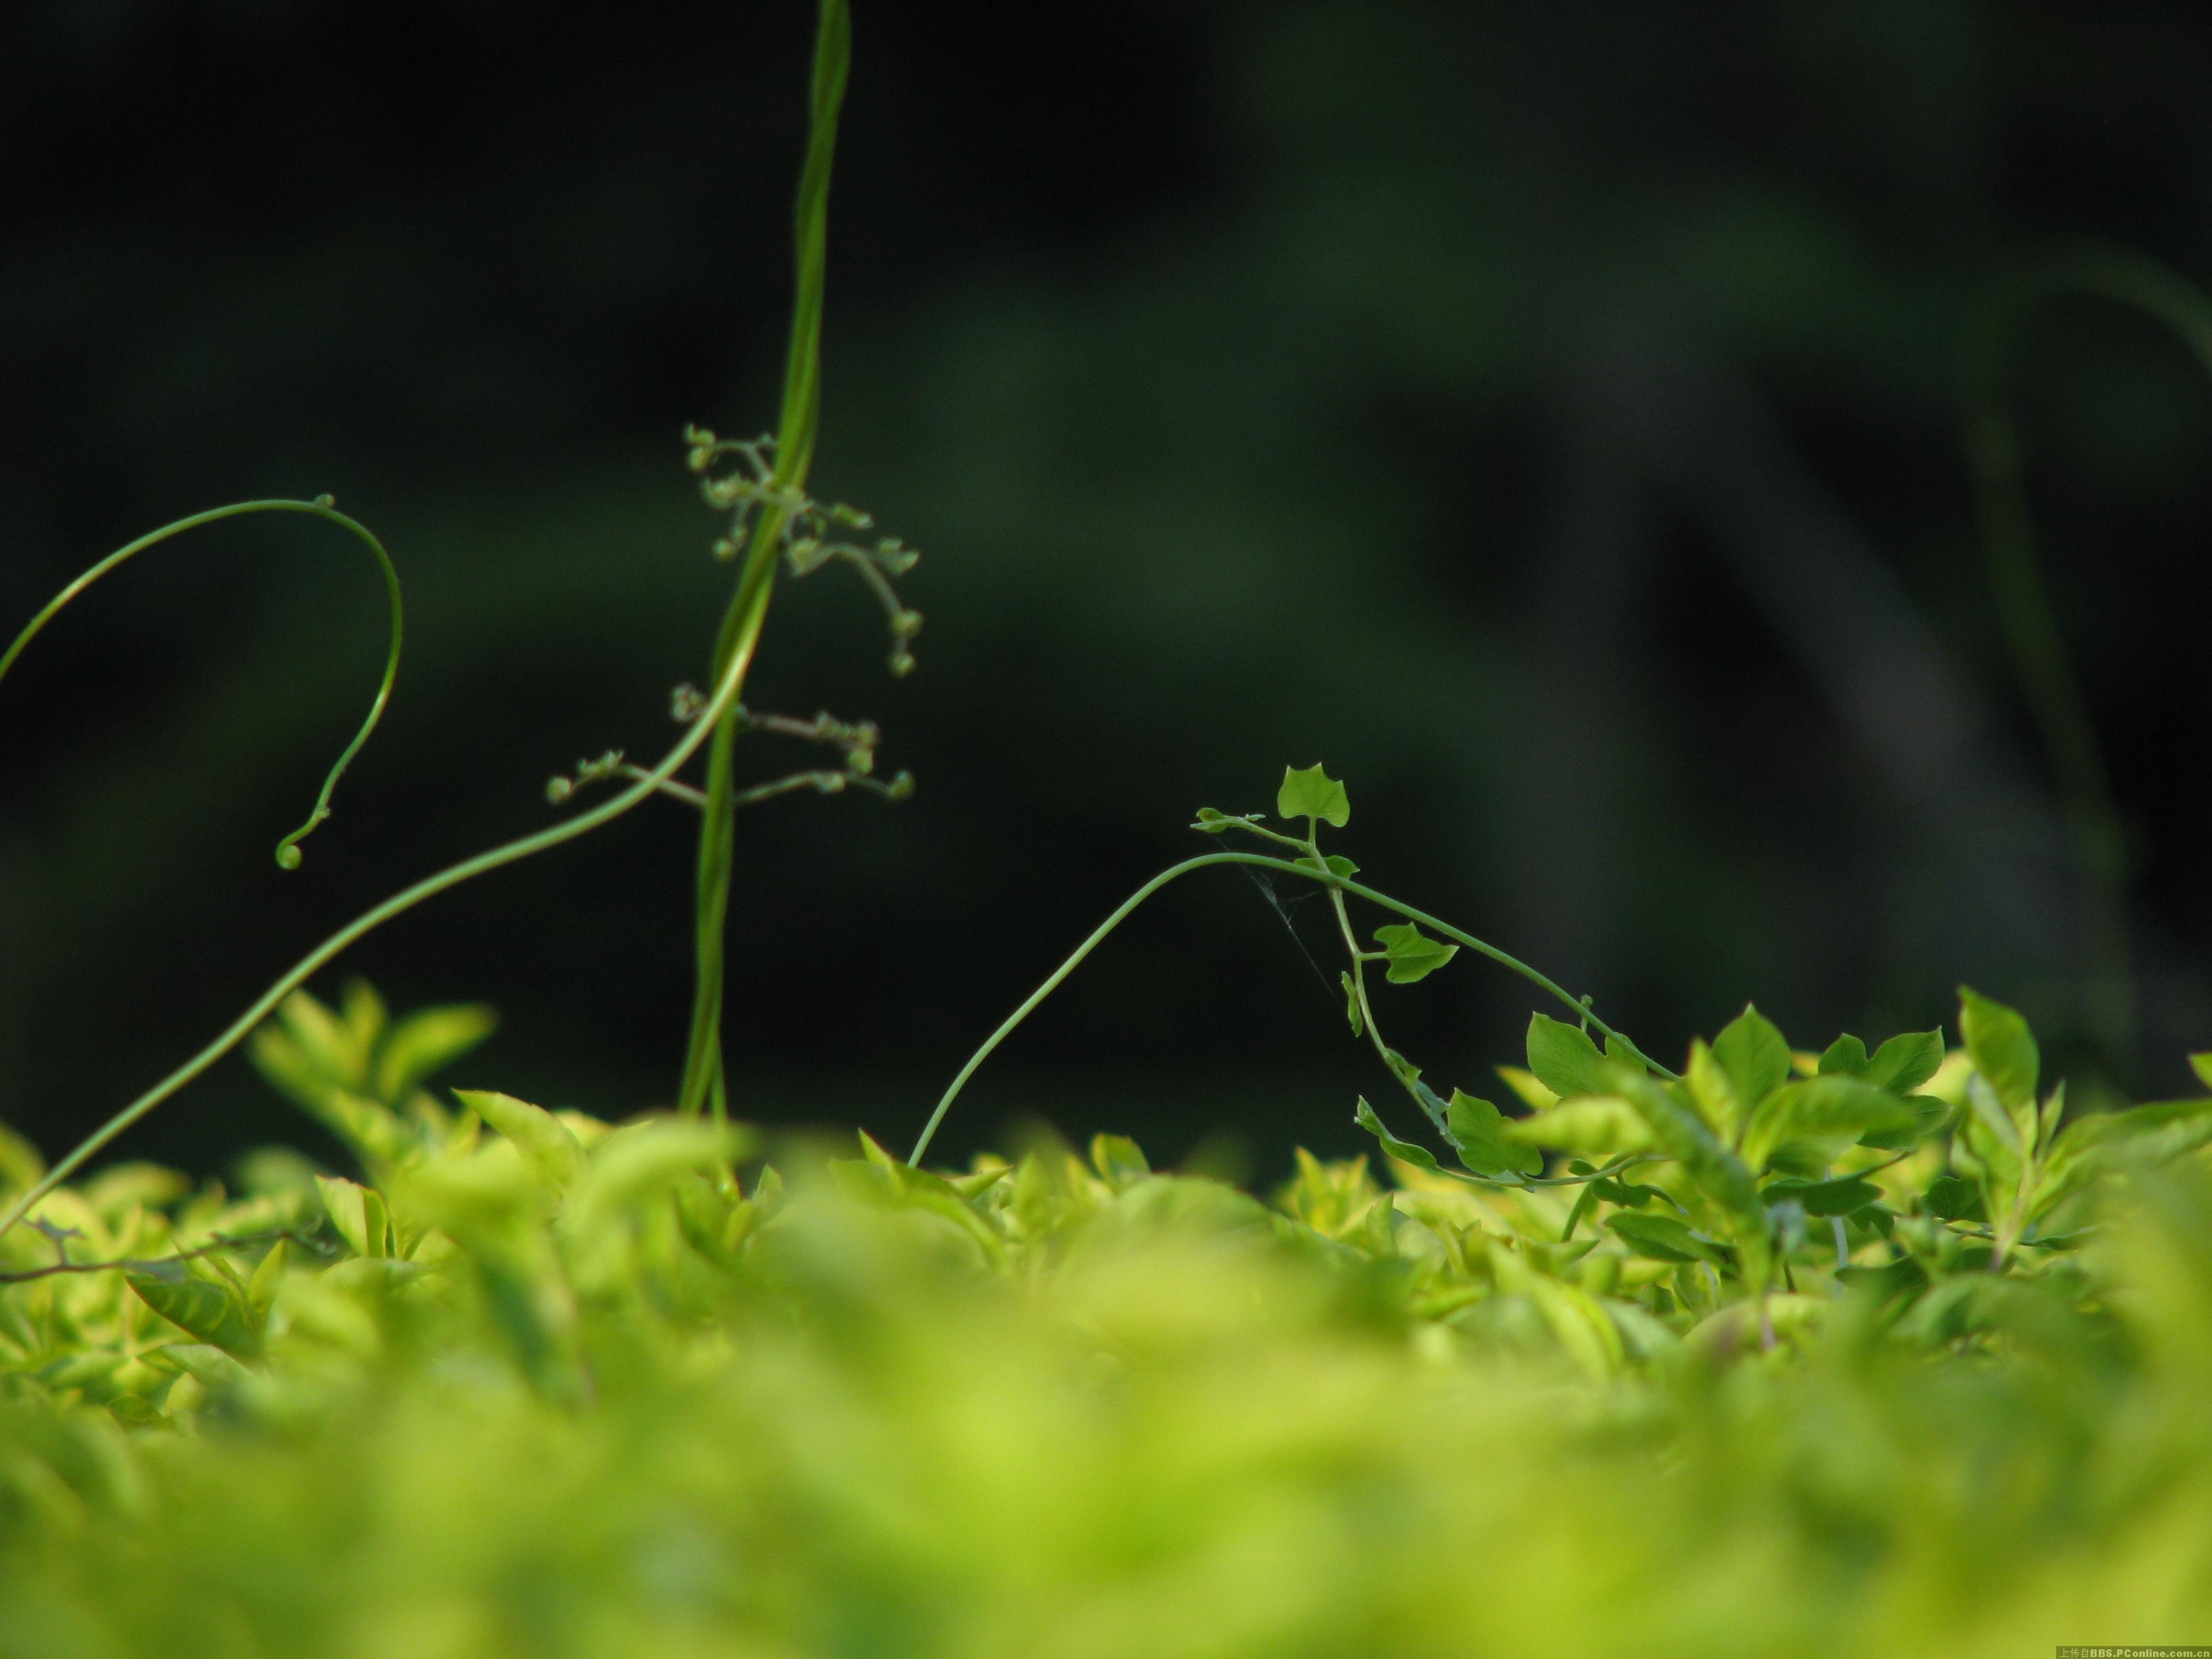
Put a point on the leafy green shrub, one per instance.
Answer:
(548, 1385)
(1866, 1349)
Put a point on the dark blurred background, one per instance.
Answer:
(1547, 415)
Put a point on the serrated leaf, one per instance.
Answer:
(1661, 1239)
(212, 1313)
(1414, 956)
(1404, 1150)
(1312, 793)
(1564, 1059)
(1754, 1054)
(2002, 1048)
(549, 1144)
(1906, 1061)
(1478, 1131)
(423, 1044)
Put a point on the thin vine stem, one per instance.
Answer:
(704, 1083)
(288, 850)
(1260, 861)
(724, 698)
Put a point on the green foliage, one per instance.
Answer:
(555, 1385)
(1313, 795)
(1859, 1352)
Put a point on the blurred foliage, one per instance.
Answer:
(1548, 412)
(544, 1384)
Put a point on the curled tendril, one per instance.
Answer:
(288, 850)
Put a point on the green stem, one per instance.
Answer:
(1282, 867)
(723, 699)
(741, 625)
(288, 850)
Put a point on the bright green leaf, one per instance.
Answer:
(549, 1144)
(1478, 1131)
(423, 1044)
(1905, 1062)
(1118, 1160)
(211, 1313)
(1414, 956)
(2002, 1048)
(1404, 1150)
(1661, 1239)
(1312, 793)
(1754, 1054)
(1836, 1107)
(1351, 1005)
(1564, 1059)
(1846, 1055)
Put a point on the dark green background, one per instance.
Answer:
(1544, 414)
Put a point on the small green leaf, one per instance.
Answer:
(1835, 1107)
(1845, 1195)
(1312, 793)
(1211, 822)
(423, 1044)
(1478, 1131)
(1351, 1005)
(1713, 1091)
(1754, 1054)
(1404, 1150)
(261, 1289)
(2002, 1048)
(1905, 1062)
(2201, 1065)
(1602, 1126)
(358, 1214)
(2142, 1136)
(543, 1140)
(1661, 1239)
(1119, 1160)
(1846, 1055)
(210, 1312)
(1414, 956)
(1564, 1059)
(1953, 1199)
(642, 1161)
(1334, 863)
